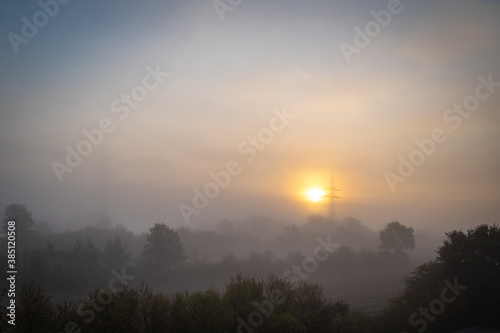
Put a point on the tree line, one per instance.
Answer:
(456, 290)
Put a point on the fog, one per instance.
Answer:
(181, 141)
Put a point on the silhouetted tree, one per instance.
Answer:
(82, 261)
(34, 310)
(464, 278)
(282, 305)
(397, 237)
(20, 214)
(474, 258)
(241, 291)
(115, 254)
(226, 226)
(163, 247)
(37, 265)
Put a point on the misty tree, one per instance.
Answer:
(34, 309)
(20, 214)
(37, 264)
(465, 273)
(115, 254)
(83, 259)
(163, 247)
(397, 237)
(104, 224)
(292, 231)
(471, 252)
(226, 226)
(43, 228)
(473, 258)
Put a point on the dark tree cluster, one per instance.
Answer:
(458, 289)
(243, 306)
(81, 264)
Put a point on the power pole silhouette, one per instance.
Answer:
(330, 193)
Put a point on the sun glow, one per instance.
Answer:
(315, 194)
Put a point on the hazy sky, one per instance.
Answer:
(354, 113)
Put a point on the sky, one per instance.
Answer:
(273, 97)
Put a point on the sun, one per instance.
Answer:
(315, 194)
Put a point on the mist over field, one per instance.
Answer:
(250, 166)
